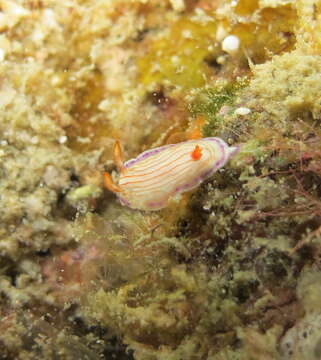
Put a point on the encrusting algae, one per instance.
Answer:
(229, 270)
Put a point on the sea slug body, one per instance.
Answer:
(150, 180)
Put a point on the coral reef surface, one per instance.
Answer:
(228, 271)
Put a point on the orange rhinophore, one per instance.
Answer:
(109, 184)
(196, 153)
(118, 156)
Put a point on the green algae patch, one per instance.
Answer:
(216, 105)
(178, 56)
(84, 192)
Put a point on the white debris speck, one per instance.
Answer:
(187, 34)
(62, 139)
(201, 17)
(5, 47)
(34, 204)
(104, 105)
(178, 5)
(224, 110)
(34, 140)
(3, 142)
(13, 12)
(3, 21)
(2, 54)
(7, 95)
(242, 111)
(231, 44)
(207, 207)
(50, 18)
(155, 67)
(221, 59)
(274, 3)
(175, 59)
(16, 9)
(38, 36)
(221, 33)
(56, 80)
(83, 140)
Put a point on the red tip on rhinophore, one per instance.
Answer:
(196, 153)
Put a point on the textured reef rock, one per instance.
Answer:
(227, 271)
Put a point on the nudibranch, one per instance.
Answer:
(150, 180)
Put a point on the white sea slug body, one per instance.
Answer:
(150, 180)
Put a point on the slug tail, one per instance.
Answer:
(233, 150)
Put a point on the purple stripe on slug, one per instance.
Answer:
(190, 185)
(123, 201)
(156, 204)
(146, 154)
